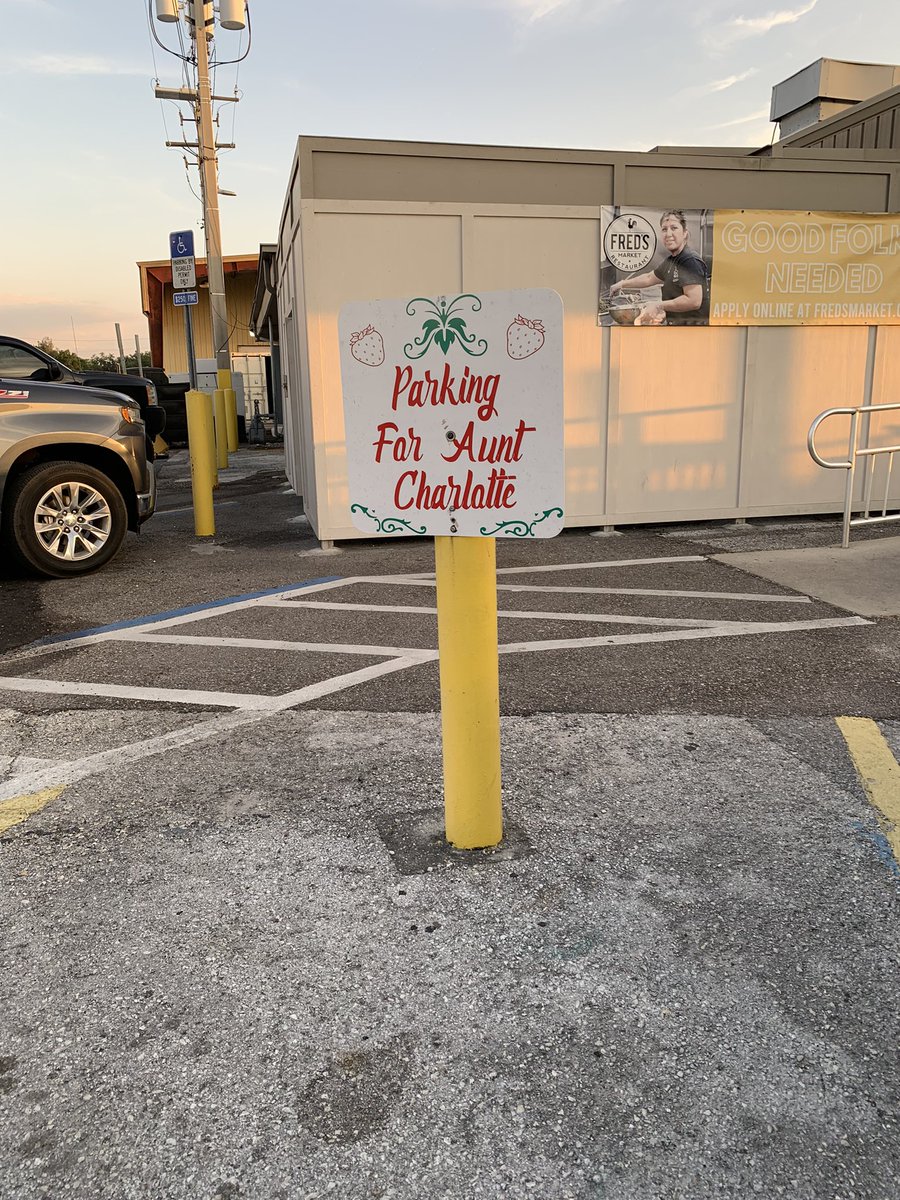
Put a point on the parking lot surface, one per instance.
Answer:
(226, 976)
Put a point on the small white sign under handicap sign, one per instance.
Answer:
(182, 298)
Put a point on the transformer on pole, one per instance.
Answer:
(200, 19)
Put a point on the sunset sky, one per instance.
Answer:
(88, 187)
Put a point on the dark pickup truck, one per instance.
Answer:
(20, 360)
(170, 397)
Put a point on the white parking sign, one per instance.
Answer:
(453, 413)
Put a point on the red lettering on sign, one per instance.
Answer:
(504, 447)
(478, 390)
(406, 446)
(413, 490)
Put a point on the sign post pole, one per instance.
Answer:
(453, 415)
(470, 689)
(189, 342)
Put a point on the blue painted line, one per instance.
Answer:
(882, 846)
(181, 612)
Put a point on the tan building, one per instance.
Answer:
(676, 425)
(166, 322)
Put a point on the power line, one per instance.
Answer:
(200, 68)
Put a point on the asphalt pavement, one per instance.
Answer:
(240, 961)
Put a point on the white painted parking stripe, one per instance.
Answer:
(315, 691)
(202, 614)
(732, 629)
(600, 591)
(591, 566)
(180, 639)
(62, 774)
(596, 618)
(17, 764)
(115, 691)
(65, 773)
(582, 566)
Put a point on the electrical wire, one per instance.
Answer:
(159, 43)
(156, 79)
(188, 58)
(231, 61)
(156, 73)
(237, 96)
(187, 173)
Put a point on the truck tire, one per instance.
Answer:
(65, 518)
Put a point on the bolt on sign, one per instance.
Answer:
(453, 414)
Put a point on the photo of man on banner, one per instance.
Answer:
(656, 266)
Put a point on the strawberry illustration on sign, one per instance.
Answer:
(367, 346)
(524, 337)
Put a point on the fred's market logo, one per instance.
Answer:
(630, 242)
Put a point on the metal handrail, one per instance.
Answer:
(855, 451)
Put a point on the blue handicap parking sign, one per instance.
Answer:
(181, 244)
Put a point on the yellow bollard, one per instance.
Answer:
(223, 378)
(199, 419)
(470, 689)
(221, 430)
(231, 419)
(210, 427)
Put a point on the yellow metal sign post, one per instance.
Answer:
(470, 689)
(453, 420)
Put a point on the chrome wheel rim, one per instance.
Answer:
(72, 521)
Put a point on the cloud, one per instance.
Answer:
(742, 27)
(74, 64)
(535, 10)
(756, 27)
(759, 115)
(530, 12)
(722, 85)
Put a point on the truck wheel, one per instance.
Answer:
(66, 518)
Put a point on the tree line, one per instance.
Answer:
(97, 362)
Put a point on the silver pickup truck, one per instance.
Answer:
(74, 475)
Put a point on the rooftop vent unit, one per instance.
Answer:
(825, 88)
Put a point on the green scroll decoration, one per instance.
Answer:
(390, 524)
(521, 528)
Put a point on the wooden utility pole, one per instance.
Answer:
(209, 183)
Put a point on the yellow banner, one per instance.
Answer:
(775, 267)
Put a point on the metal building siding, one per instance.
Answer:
(876, 126)
(638, 447)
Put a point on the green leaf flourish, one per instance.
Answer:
(389, 524)
(521, 528)
(444, 328)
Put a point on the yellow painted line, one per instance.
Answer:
(879, 772)
(20, 808)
